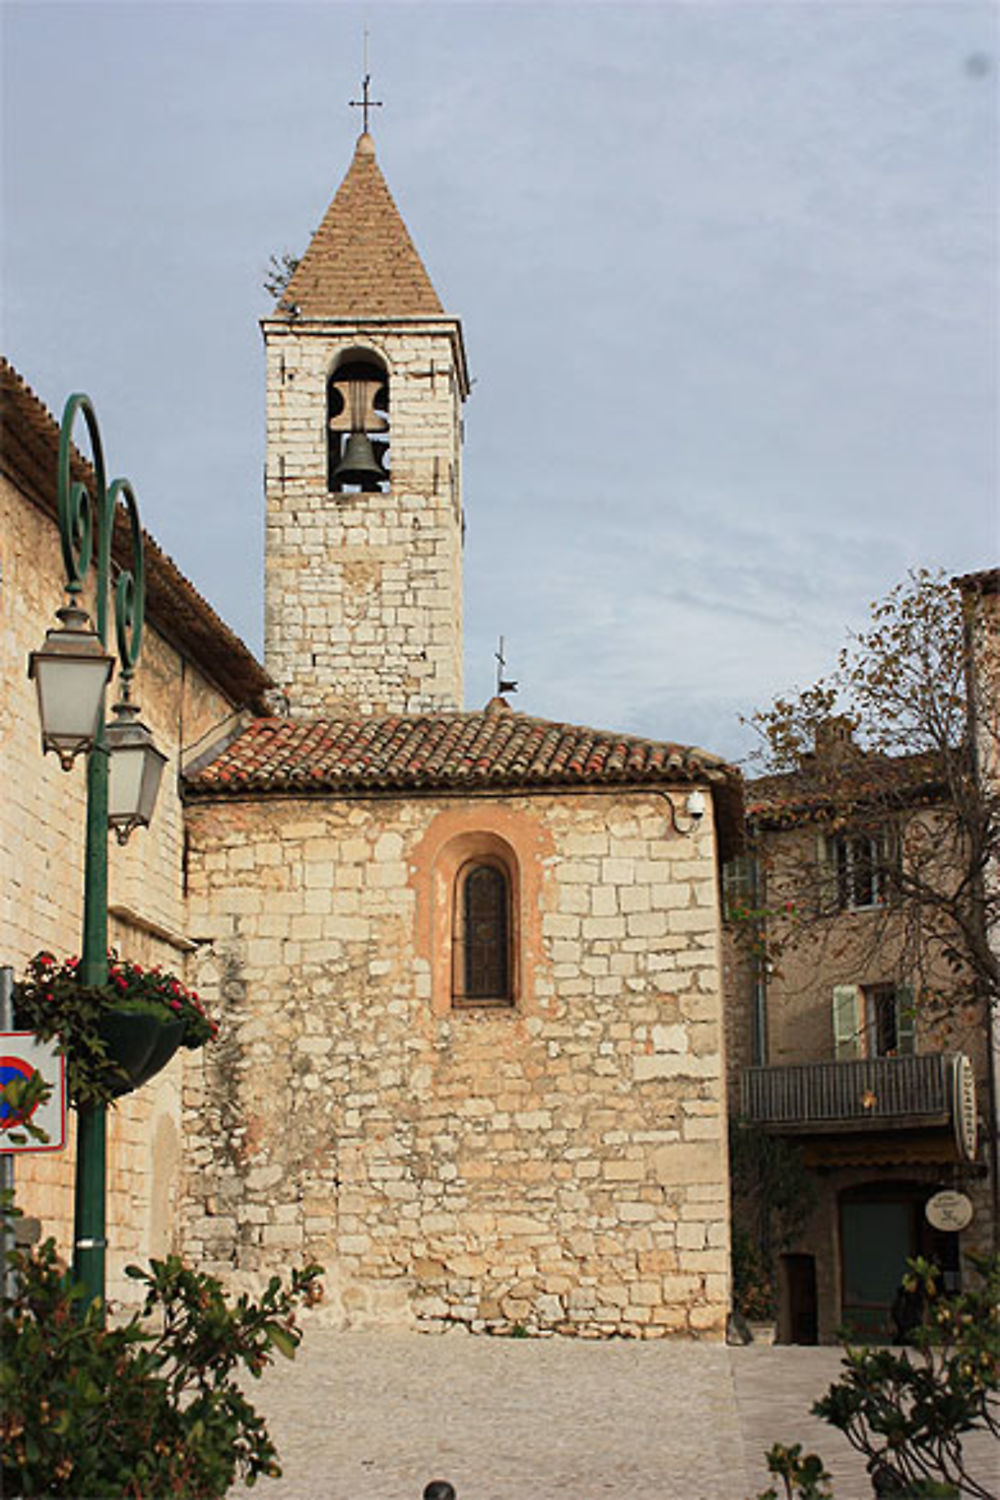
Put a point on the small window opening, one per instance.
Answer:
(861, 871)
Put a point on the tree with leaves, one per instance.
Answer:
(886, 745)
(874, 831)
(881, 800)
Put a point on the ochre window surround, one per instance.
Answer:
(480, 832)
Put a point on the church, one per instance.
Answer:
(466, 964)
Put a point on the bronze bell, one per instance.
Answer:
(359, 464)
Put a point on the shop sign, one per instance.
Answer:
(948, 1210)
(964, 1107)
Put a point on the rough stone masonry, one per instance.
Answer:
(558, 1165)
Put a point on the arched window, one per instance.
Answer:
(481, 966)
(477, 875)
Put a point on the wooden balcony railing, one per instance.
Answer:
(875, 1093)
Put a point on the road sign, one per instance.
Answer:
(22, 1055)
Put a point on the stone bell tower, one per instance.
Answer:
(366, 376)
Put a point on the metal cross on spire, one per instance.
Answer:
(365, 103)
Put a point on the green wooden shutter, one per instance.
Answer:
(906, 1020)
(846, 1022)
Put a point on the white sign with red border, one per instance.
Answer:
(21, 1056)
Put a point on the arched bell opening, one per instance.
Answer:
(357, 405)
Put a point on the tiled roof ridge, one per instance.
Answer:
(29, 448)
(361, 260)
(459, 753)
(814, 790)
(458, 748)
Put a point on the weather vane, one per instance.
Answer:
(365, 103)
(504, 684)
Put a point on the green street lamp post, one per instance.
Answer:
(71, 673)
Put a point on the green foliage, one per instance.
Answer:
(280, 270)
(803, 1476)
(53, 1003)
(152, 1407)
(908, 1412)
(772, 1197)
(18, 1101)
(753, 1279)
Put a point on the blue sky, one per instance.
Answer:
(727, 275)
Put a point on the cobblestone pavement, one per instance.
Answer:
(374, 1416)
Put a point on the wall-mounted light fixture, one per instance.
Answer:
(695, 804)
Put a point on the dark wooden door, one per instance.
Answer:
(800, 1292)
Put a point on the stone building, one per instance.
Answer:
(193, 673)
(467, 963)
(851, 1034)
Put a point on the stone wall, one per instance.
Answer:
(364, 592)
(41, 885)
(558, 1165)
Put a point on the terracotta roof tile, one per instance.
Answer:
(817, 789)
(495, 749)
(361, 260)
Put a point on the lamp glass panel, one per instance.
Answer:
(125, 782)
(133, 783)
(151, 774)
(69, 696)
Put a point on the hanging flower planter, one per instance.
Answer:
(115, 1036)
(139, 1045)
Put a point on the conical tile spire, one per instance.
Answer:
(361, 261)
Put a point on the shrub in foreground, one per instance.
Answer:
(908, 1411)
(150, 1408)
